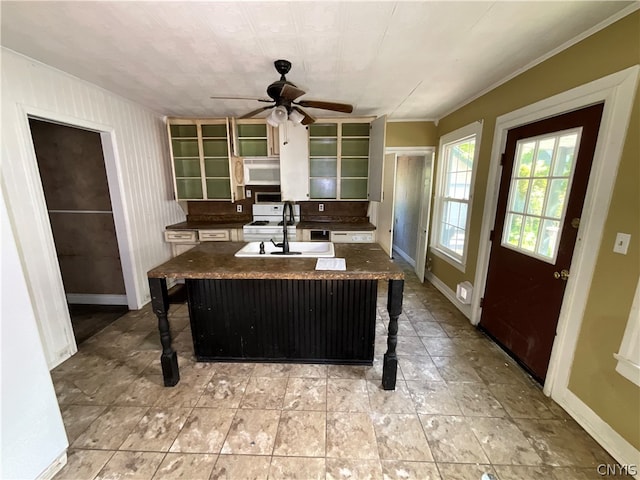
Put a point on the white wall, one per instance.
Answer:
(33, 436)
(138, 171)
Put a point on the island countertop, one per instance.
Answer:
(216, 260)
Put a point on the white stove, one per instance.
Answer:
(267, 223)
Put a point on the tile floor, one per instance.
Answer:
(461, 408)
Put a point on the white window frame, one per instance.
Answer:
(628, 358)
(472, 130)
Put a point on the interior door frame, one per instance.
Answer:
(617, 90)
(425, 199)
(47, 328)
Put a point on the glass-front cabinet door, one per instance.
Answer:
(339, 160)
(200, 156)
(254, 138)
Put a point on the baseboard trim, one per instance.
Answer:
(607, 437)
(57, 465)
(405, 256)
(450, 294)
(96, 299)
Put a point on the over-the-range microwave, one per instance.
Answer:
(261, 171)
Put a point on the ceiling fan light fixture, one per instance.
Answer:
(296, 117)
(279, 114)
(271, 121)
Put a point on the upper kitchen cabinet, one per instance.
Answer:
(200, 153)
(254, 138)
(339, 159)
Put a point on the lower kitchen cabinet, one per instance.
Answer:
(184, 240)
(366, 236)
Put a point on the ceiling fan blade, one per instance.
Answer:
(226, 97)
(289, 92)
(308, 119)
(336, 107)
(257, 111)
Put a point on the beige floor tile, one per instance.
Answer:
(347, 395)
(301, 434)
(503, 442)
(419, 368)
(236, 467)
(204, 431)
(433, 398)
(346, 371)
(264, 392)
(441, 347)
(157, 430)
(476, 400)
(562, 443)
(278, 370)
(411, 346)
(351, 435)
(223, 392)
(306, 394)
(300, 468)
(390, 401)
(110, 429)
(235, 369)
(401, 437)
(405, 470)
(185, 466)
(144, 392)
(521, 472)
(428, 329)
(467, 471)
(77, 418)
(252, 432)
(308, 371)
(455, 370)
(131, 465)
(83, 464)
(350, 469)
(452, 440)
(521, 401)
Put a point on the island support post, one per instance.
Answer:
(394, 307)
(160, 305)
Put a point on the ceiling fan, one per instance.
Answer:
(283, 94)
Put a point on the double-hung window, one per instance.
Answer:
(457, 157)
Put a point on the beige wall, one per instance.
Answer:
(411, 134)
(593, 377)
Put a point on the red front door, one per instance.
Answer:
(544, 179)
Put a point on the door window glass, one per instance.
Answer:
(541, 178)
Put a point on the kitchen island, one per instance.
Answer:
(280, 309)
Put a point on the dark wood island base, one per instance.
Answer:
(280, 310)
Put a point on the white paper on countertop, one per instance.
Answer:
(331, 264)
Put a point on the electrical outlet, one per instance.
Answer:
(321, 207)
(248, 193)
(239, 208)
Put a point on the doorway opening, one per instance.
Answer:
(74, 180)
(403, 214)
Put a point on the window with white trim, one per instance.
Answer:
(629, 355)
(457, 157)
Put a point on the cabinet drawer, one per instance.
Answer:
(182, 236)
(213, 235)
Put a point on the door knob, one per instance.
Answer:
(562, 274)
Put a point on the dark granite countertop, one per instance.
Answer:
(192, 225)
(336, 226)
(216, 260)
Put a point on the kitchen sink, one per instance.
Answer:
(306, 249)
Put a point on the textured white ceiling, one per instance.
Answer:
(409, 60)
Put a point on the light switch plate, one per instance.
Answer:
(622, 243)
